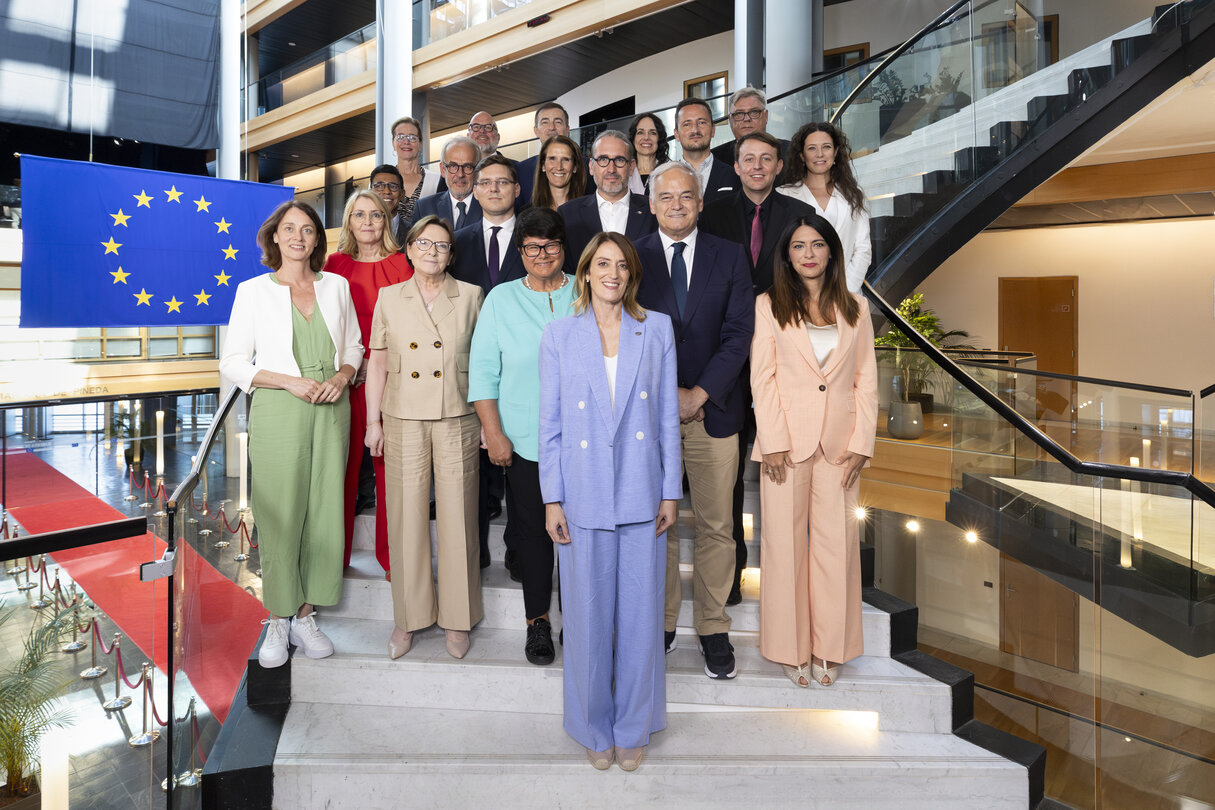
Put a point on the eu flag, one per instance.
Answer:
(114, 246)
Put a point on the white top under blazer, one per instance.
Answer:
(852, 227)
(259, 329)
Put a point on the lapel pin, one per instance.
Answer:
(636, 333)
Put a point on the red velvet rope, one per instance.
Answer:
(122, 673)
(98, 640)
(147, 687)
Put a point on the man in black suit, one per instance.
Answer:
(457, 204)
(551, 119)
(386, 182)
(486, 256)
(483, 129)
(754, 218)
(702, 283)
(694, 131)
(748, 113)
(611, 207)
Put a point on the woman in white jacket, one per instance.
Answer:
(294, 343)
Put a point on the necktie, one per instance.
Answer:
(494, 259)
(757, 238)
(462, 207)
(679, 276)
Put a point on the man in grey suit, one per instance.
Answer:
(456, 205)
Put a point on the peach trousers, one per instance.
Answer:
(810, 566)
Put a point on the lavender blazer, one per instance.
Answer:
(609, 469)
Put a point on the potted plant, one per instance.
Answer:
(29, 688)
(910, 388)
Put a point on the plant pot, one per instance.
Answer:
(28, 801)
(905, 420)
(925, 401)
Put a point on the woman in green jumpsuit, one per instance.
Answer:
(294, 343)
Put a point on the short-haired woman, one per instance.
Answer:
(419, 419)
(814, 380)
(611, 479)
(293, 342)
(819, 173)
(366, 257)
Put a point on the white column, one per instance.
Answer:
(394, 71)
(748, 44)
(792, 38)
(229, 89)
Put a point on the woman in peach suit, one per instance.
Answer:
(814, 380)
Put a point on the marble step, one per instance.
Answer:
(495, 676)
(365, 595)
(373, 758)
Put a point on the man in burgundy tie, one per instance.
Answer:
(754, 217)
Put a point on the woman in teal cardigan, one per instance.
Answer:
(504, 387)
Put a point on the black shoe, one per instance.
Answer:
(539, 646)
(511, 561)
(735, 592)
(719, 656)
(561, 636)
(495, 508)
(668, 641)
(485, 560)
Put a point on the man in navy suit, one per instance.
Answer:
(457, 204)
(703, 284)
(754, 218)
(748, 113)
(611, 207)
(694, 131)
(551, 119)
(486, 256)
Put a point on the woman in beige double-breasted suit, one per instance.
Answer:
(417, 384)
(814, 380)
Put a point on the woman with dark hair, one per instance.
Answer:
(560, 174)
(649, 139)
(814, 380)
(419, 419)
(610, 477)
(293, 342)
(366, 257)
(818, 172)
(504, 387)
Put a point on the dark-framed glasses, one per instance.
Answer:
(383, 186)
(460, 168)
(482, 127)
(549, 248)
(619, 161)
(746, 115)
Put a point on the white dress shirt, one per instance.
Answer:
(689, 251)
(504, 236)
(823, 339)
(702, 173)
(455, 212)
(852, 227)
(613, 216)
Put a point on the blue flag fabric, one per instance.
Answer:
(113, 246)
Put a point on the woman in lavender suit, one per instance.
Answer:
(611, 479)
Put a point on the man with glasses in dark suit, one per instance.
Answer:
(457, 205)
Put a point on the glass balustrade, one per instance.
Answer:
(345, 58)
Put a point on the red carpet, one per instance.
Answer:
(219, 621)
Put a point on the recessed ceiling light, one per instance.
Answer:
(291, 43)
(295, 156)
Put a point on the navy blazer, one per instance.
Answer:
(722, 181)
(439, 204)
(471, 265)
(581, 217)
(527, 181)
(727, 218)
(713, 339)
(609, 466)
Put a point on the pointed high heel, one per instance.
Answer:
(824, 674)
(457, 643)
(399, 643)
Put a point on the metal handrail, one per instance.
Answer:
(1187, 481)
(186, 487)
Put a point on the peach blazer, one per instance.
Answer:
(799, 406)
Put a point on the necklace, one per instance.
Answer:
(564, 280)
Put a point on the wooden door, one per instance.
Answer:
(1039, 315)
(1039, 618)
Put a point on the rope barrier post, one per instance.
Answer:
(242, 556)
(75, 645)
(221, 543)
(149, 735)
(147, 483)
(193, 776)
(94, 672)
(16, 564)
(41, 602)
(27, 585)
(130, 496)
(160, 494)
(120, 700)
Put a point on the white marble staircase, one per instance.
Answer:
(429, 731)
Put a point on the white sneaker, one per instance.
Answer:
(307, 636)
(273, 652)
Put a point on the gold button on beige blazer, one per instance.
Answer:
(427, 351)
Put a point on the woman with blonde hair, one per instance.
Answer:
(367, 258)
(611, 480)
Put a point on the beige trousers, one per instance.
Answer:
(810, 566)
(412, 450)
(711, 465)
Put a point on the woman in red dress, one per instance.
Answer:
(367, 257)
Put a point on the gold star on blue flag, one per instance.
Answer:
(86, 273)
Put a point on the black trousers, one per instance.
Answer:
(534, 552)
(745, 437)
(492, 483)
